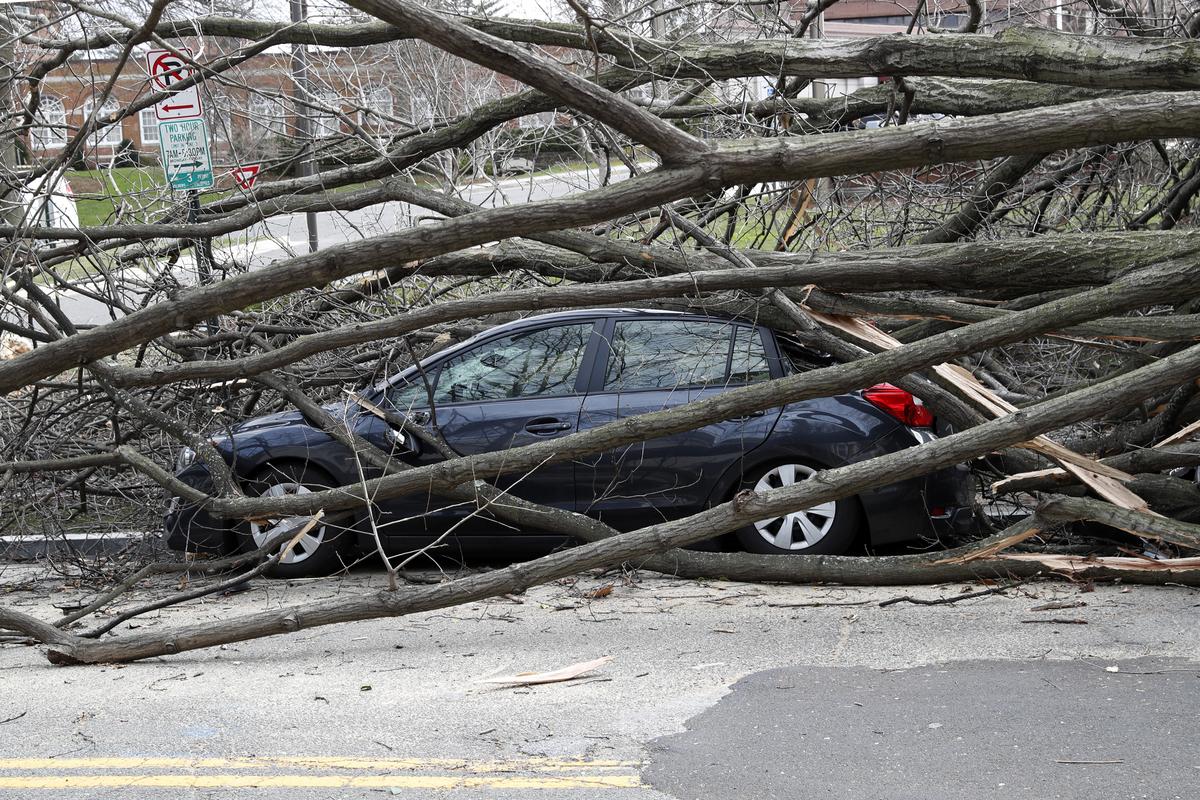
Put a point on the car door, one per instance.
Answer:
(651, 364)
(508, 391)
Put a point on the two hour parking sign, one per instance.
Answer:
(185, 153)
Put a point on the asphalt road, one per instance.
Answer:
(1052, 729)
(715, 690)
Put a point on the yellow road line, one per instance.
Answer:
(315, 762)
(244, 781)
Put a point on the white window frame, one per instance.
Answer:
(325, 124)
(378, 105)
(542, 119)
(148, 127)
(49, 130)
(379, 102)
(268, 116)
(420, 108)
(109, 136)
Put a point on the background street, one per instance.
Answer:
(287, 235)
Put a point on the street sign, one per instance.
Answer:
(247, 175)
(166, 70)
(185, 154)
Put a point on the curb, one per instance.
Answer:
(34, 548)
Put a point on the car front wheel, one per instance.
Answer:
(828, 528)
(320, 550)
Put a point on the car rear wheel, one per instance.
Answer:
(320, 551)
(825, 529)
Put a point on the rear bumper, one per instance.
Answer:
(949, 496)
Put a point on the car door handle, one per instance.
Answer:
(547, 426)
(751, 415)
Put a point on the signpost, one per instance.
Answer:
(185, 155)
(183, 138)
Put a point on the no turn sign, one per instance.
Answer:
(167, 69)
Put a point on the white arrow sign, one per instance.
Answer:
(166, 70)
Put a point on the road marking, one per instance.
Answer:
(319, 762)
(319, 782)
(316, 772)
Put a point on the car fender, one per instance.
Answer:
(833, 432)
(250, 451)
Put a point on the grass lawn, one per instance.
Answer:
(141, 193)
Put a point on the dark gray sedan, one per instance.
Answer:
(552, 375)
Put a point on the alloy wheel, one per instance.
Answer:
(307, 544)
(800, 529)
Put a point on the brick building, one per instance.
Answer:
(381, 89)
(251, 114)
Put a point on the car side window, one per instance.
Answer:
(664, 354)
(748, 363)
(540, 363)
(405, 397)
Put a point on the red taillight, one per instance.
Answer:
(899, 404)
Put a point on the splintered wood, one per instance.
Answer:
(1105, 481)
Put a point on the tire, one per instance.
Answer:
(827, 529)
(319, 552)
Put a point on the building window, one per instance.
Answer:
(420, 108)
(50, 126)
(108, 135)
(268, 117)
(325, 123)
(148, 120)
(378, 103)
(542, 119)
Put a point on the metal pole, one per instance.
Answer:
(201, 247)
(299, 9)
(11, 210)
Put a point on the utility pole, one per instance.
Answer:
(10, 197)
(817, 31)
(306, 167)
(803, 195)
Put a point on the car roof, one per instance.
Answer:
(591, 313)
(538, 320)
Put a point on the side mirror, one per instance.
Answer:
(402, 441)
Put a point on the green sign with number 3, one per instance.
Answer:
(185, 153)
